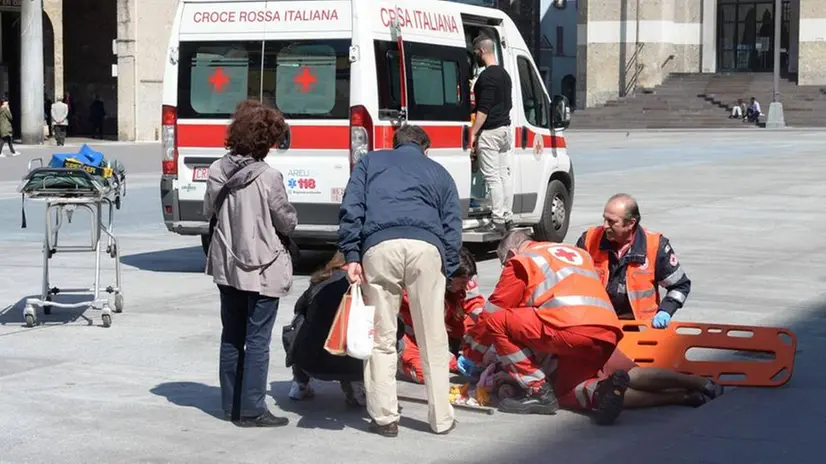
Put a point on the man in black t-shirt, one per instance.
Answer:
(490, 137)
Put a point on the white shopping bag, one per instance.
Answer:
(359, 326)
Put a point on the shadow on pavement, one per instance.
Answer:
(13, 314)
(188, 259)
(192, 260)
(205, 398)
(327, 410)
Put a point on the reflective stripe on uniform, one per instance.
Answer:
(679, 296)
(516, 357)
(474, 315)
(673, 278)
(490, 307)
(640, 294)
(528, 379)
(585, 393)
(553, 278)
(474, 345)
(576, 300)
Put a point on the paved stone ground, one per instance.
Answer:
(743, 211)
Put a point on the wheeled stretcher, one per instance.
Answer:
(64, 191)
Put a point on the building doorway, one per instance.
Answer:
(745, 35)
(10, 63)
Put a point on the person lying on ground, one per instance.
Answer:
(462, 300)
(651, 386)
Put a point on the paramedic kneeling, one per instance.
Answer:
(554, 303)
(633, 263)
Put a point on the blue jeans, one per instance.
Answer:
(247, 320)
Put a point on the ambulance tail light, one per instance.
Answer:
(169, 140)
(361, 133)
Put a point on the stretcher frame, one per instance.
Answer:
(667, 349)
(63, 203)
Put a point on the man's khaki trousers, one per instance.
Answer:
(416, 266)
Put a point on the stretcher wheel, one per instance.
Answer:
(113, 251)
(118, 302)
(29, 315)
(107, 320)
(505, 386)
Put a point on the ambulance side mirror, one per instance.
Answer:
(560, 112)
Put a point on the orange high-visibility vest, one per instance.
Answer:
(640, 278)
(564, 288)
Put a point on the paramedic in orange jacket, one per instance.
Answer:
(633, 263)
(462, 299)
(550, 301)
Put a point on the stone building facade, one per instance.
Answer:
(117, 49)
(623, 45)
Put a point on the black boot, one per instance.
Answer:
(538, 401)
(610, 395)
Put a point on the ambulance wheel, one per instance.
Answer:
(205, 241)
(505, 386)
(556, 214)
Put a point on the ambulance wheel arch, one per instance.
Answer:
(556, 211)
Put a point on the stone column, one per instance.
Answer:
(54, 8)
(811, 63)
(127, 70)
(31, 72)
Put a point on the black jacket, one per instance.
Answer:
(304, 338)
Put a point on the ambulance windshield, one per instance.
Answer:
(308, 79)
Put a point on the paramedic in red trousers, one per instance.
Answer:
(633, 263)
(400, 228)
(550, 301)
(490, 137)
(462, 300)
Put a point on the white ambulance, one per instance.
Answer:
(333, 69)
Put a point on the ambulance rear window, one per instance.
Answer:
(438, 81)
(308, 79)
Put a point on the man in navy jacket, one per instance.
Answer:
(400, 227)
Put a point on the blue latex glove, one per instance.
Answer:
(467, 367)
(661, 320)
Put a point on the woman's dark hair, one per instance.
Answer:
(255, 129)
(336, 262)
(467, 264)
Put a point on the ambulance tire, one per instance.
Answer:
(556, 214)
(205, 241)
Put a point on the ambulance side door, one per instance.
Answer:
(532, 138)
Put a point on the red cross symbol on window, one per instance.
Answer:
(305, 80)
(567, 256)
(218, 80)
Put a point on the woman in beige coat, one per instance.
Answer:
(248, 201)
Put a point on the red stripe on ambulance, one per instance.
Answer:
(440, 136)
(548, 141)
(301, 137)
